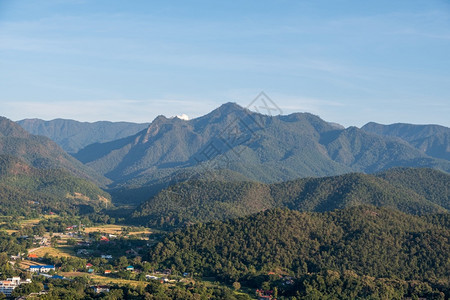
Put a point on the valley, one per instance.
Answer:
(277, 207)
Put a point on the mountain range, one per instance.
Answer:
(258, 147)
(72, 135)
(229, 144)
(434, 140)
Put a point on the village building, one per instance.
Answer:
(41, 269)
(101, 288)
(7, 286)
(130, 268)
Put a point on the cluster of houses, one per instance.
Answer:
(7, 286)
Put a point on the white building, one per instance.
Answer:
(41, 269)
(7, 286)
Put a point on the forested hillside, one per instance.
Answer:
(28, 191)
(415, 191)
(360, 252)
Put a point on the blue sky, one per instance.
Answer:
(349, 62)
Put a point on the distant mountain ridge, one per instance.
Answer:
(73, 135)
(260, 147)
(40, 152)
(434, 140)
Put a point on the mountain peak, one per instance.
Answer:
(9, 128)
(160, 119)
(226, 109)
(230, 107)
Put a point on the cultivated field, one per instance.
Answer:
(113, 229)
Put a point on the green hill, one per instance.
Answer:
(419, 191)
(431, 184)
(25, 190)
(41, 152)
(361, 252)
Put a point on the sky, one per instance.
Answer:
(350, 62)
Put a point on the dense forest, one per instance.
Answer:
(362, 251)
(415, 191)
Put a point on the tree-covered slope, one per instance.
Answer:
(205, 200)
(262, 148)
(25, 190)
(363, 241)
(41, 152)
(73, 135)
(434, 140)
(432, 184)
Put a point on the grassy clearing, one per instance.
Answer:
(99, 279)
(109, 229)
(25, 264)
(57, 252)
(105, 280)
(30, 222)
(34, 222)
(114, 229)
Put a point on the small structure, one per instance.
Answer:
(89, 265)
(101, 289)
(130, 268)
(107, 271)
(32, 256)
(91, 271)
